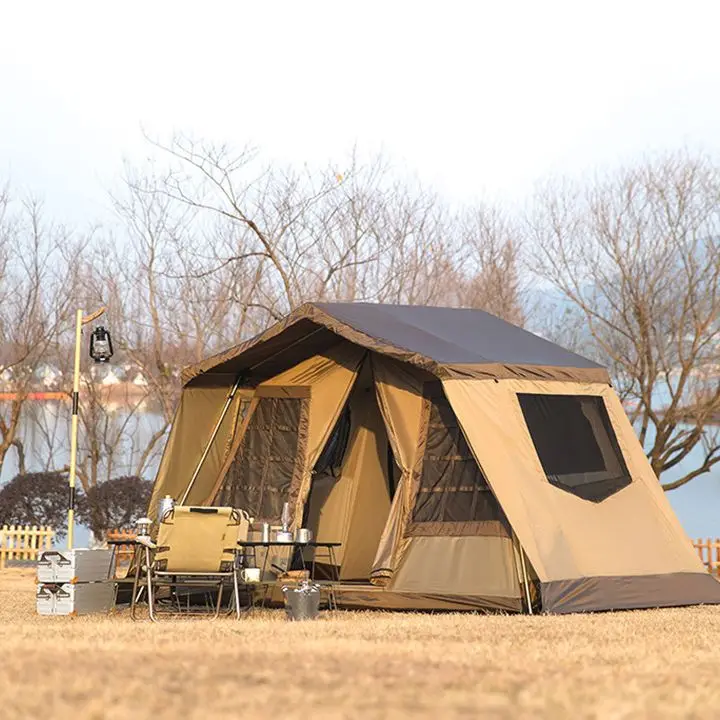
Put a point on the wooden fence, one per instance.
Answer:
(23, 542)
(123, 553)
(709, 551)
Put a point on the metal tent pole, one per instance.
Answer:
(213, 435)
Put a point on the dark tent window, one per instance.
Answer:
(576, 444)
(260, 476)
(452, 488)
(330, 461)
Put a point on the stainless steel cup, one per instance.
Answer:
(303, 535)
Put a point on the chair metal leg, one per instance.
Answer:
(219, 600)
(135, 591)
(236, 587)
(151, 595)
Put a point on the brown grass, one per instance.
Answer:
(660, 663)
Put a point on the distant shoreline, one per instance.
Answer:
(116, 392)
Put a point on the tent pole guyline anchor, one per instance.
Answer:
(213, 435)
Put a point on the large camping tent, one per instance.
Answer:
(462, 462)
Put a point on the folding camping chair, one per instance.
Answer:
(196, 548)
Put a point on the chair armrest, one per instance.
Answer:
(146, 541)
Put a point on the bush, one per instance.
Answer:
(116, 503)
(36, 499)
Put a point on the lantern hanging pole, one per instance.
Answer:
(79, 322)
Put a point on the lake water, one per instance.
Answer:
(697, 504)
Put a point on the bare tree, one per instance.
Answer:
(350, 232)
(37, 262)
(638, 254)
(488, 264)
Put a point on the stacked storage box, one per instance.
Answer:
(74, 582)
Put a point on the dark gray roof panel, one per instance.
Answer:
(453, 335)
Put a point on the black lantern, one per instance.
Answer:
(101, 349)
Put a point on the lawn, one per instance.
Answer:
(659, 663)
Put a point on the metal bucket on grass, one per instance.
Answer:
(302, 602)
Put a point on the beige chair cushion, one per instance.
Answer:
(196, 539)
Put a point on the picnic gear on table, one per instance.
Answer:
(195, 547)
(303, 535)
(272, 574)
(250, 575)
(284, 535)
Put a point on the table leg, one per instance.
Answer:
(336, 575)
(262, 576)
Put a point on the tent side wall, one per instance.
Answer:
(199, 410)
(446, 534)
(626, 550)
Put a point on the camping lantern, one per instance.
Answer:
(101, 349)
(143, 526)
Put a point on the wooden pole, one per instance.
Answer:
(74, 428)
(79, 322)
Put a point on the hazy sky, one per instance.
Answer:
(478, 98)
(481, 99)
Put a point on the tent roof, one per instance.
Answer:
(444, 341)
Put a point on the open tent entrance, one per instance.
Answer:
(353, 482)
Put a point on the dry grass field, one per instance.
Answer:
(356, 665)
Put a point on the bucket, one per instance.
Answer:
(302, 602)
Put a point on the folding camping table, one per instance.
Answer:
(247, 554)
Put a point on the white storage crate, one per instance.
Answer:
(74, 599)
(74, 566)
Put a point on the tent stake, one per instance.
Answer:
(214, 433)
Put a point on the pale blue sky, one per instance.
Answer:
(478, 98)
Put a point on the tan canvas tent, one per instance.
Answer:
(461, 461)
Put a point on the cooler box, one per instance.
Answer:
(74, 599)
(74, 566)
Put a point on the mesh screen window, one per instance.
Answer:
(452, 488)
(576, 444)
(259, 478)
